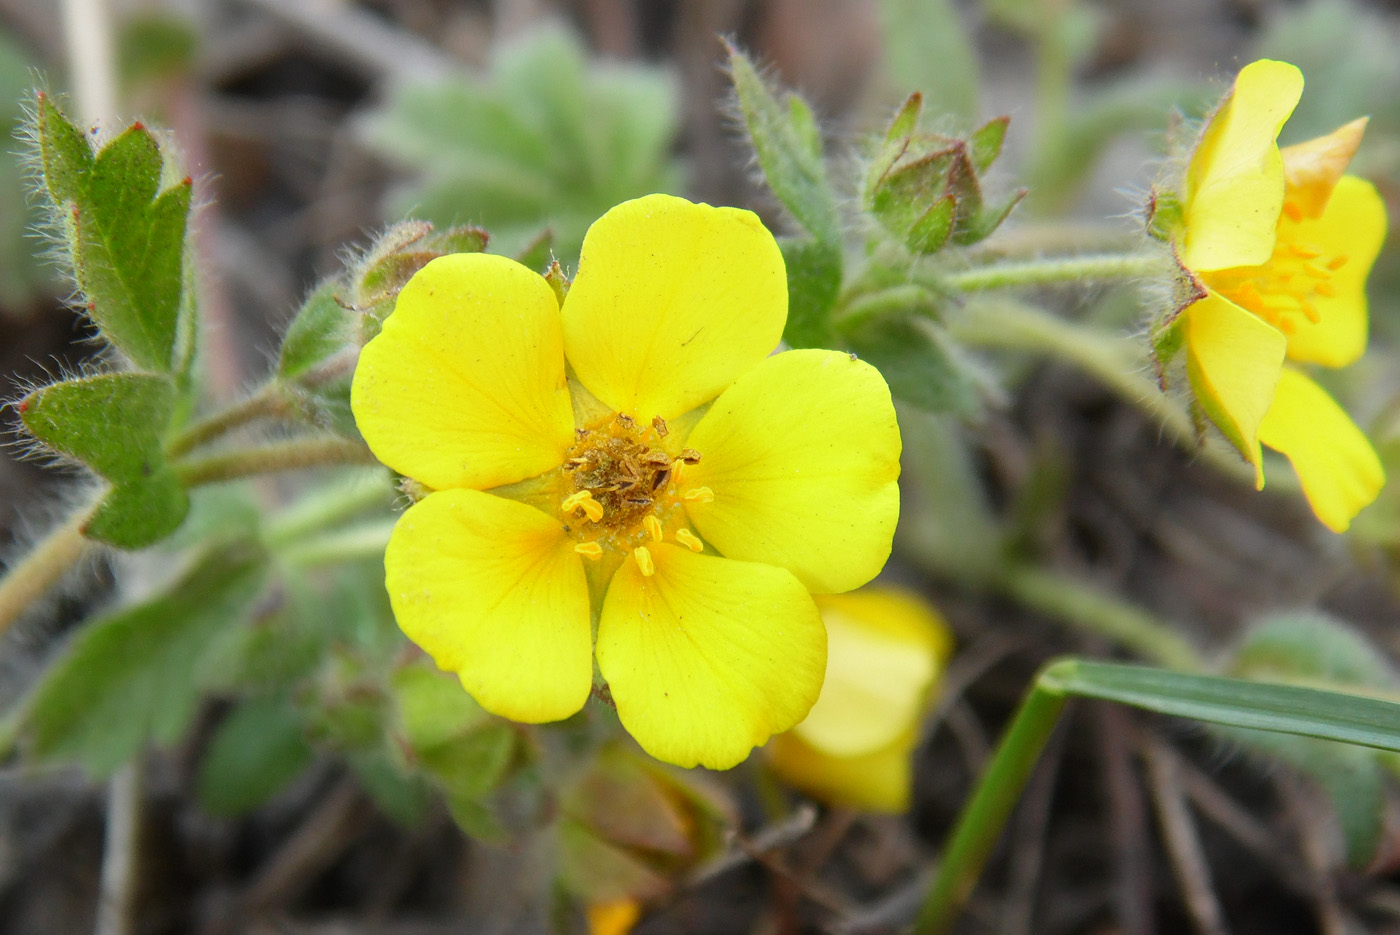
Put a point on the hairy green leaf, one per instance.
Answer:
(257, 750)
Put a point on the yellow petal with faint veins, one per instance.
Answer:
(878, 781)
(1351, 231)
(464, 386)
(1233, 362)
(673, 301)
(802, 455)
(492, 589)
(1234, 184)
(884, 651)
(1311, 169)
(1337, 467)
(708, 657)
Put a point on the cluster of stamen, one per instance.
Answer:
(625, 490)
(1283, 290)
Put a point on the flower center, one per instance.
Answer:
(1283, 290)
(625, 491)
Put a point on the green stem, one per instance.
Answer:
(28, 580)
(1074, 269)
(267, 403)
(366, 540)
(1090, 610)
(985, 814)
(277, 456)
(892, 301)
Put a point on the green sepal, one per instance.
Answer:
(788, 150)
(1165, 217)
(986, 141)
(814, 282)
(125, 234)
(988, 218)
(257, 750)
(906, 119)
(115, 424)
(918, 363)
(136, 676)
(320, 328)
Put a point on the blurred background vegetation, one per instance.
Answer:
(293, 792)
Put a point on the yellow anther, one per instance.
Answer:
(583, 500)
(1310, 310)
(589, 549)
(1317, 270)
(1337, 262)
(1278, 303)
(1286, 325)
(1304, 251)
(700, 495)
(1295, 213)
(653, 527)
(690, 540)
(643, 556)
(1325, 288)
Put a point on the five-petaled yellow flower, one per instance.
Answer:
(1281, 242)
(630, 477)
(855, 748)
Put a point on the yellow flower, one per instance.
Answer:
(630, 476)
(854, 749)
(1280, 243)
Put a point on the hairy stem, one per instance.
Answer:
(276, 456)
(268, 403)
(29, 578)
(1075, 269)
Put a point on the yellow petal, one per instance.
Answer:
(1337, 466)
(1352, 226)
(884, 650)
(877, 781)
(1311, 169)
(1233, 361)
(708, 657)
(803, 457)
(617, 917)
(493, 590)
(672, 302)
(464, 386)
(1234, 184)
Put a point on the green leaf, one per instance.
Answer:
(1308, 712)
(814, 282)
(403, 798)
(450, 735)
(917, 364)
(257, 750)
(140, 512)
(64, 153)
(320, 328)
(136, 676)
(928, 48)
(115, 424)
(794, 171)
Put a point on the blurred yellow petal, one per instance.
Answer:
(1339, 470)
(1234, 184)
(1311, 169)
(802, 455)
(1350, 232)
(492, 589)
(617, 917)
(708, 657)
(878, 781)
(1233, 362)
(673, 301)
(884, 651)
(464, 386)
